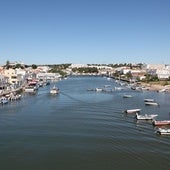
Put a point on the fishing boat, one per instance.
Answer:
(161, 122)
(152, 103)
(163, 131)
(149, 100)
(127, 96)
(54, 90)
(146, 116)
(132, 111)
(99, 89)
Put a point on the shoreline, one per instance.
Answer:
(155, 87)
(11, 91)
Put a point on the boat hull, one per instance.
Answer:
(148, 100)
(132, 111)
(127, 96)
(163, 131)
(161, 123)
(145, 117)
(151, 103)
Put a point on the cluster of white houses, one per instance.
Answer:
(162, 71)
(16, 77)
(12, 78)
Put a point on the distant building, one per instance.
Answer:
(49, 76)
(78, 65)
(163, 74)
(43, 69)
(155, 66)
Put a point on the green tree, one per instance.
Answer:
(129, 75)
(7, 64)
(34, 66)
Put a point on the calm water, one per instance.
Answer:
(82, 130)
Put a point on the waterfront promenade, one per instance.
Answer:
(5, 92)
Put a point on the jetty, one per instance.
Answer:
(6, 92)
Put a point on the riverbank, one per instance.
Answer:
(156, 86)
(153, 85)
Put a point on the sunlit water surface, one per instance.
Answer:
(81, 129)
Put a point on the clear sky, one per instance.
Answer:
(85, 31)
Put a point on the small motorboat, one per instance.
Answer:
(152, 103)
(146, 116)
(132, 111)
(54, 90)
(161, 122)
(149, 100)
(98, 89)
(127, 96)
(163, 131)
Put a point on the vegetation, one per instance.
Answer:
(130, 65)
(85, 70)
(13, 66)
(59, 69)
(129, 75)
(151, 78)
(34, 66)
(59, 66)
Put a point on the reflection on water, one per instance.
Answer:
(81, 129)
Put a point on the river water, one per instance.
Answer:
(82, 130)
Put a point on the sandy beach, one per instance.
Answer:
(155, 87)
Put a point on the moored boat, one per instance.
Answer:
(163, 131)
(99, 89)
(152, 103)
(146, 116)
(132, 111)
(149, 100)
(127, 96)
(3, 100)
(161, 122)
(30, 89)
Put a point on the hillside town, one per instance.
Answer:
(15, 76)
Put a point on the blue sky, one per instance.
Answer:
(85, 31)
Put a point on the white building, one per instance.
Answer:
(78, 65)
(44, 69)
(49, 76)
(163, 74)
(155, 66)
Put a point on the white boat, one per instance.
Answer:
(161, 122)
(163, 90)
(54, 90)
(152, 103)
(119, 88)
(163, 131)
(127, 96)
(132, 111)
(4, 100)
(149, 100)
(107, 85)
(30, 89)
(146, 116)
(13, 96)
(99, 89)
